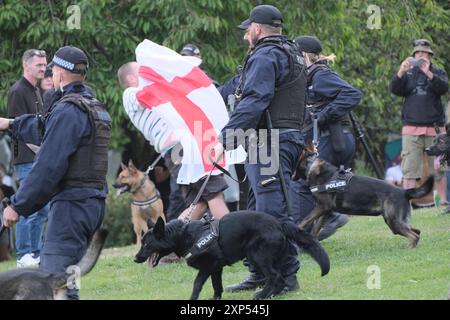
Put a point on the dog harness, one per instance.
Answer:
(207, 242)
(337, 184)
(146, 203)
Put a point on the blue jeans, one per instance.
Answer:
(30, 230)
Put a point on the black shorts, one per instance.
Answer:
(215, 185)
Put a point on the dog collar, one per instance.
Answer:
(147, 202)
(144, 178)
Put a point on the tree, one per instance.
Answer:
(369, 41)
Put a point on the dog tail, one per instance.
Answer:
(87, 263)
(421, 191)
(308, 243)
(90, 258)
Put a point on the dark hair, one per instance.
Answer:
(48, 72)
(27, 55)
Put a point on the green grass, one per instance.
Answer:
(421, 273)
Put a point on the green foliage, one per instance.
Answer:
(110, 31)
(118, 220)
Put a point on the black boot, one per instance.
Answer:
(291, 284)
(253, 281)
(334, 222)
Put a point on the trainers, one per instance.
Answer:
(37, 258)
(445, 211)
(334, 222)
(253, 281)
(27, 261)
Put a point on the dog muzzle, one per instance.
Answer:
(121, 188)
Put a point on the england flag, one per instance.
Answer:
(180, 93)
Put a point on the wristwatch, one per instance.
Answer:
(11, 121)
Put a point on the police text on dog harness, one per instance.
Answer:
(338, 182)
(207, 242)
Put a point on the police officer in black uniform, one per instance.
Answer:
(70, 167)
(330, 99)
(273, 79)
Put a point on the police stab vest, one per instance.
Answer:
(288, 104)
(89, 164)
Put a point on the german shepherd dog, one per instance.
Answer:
(37, 284)
(364, 196)
(441, 144)
(146, 201)
(255, 235)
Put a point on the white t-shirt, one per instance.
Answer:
(394, 173)
(154, 127)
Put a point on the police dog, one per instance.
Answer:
(146, 201)
(255, 235)
(37, 284)
(364, 196)
(441, 144)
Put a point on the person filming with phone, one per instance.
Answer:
(422, 85)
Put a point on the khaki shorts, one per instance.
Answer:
(413, 149)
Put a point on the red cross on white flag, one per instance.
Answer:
(184, 96)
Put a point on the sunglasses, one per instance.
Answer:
(421, 43)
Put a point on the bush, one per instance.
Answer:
(118, 220)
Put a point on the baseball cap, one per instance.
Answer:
(68, 57)
(264, 14)
(190, 50)
(422, 45)
(308, 44)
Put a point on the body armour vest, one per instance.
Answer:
(89, 164)
(288, 104)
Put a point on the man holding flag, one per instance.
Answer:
(170, 100)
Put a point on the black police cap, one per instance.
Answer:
(309, 44)
(264, 14)
(68, 57)
(190, 50)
